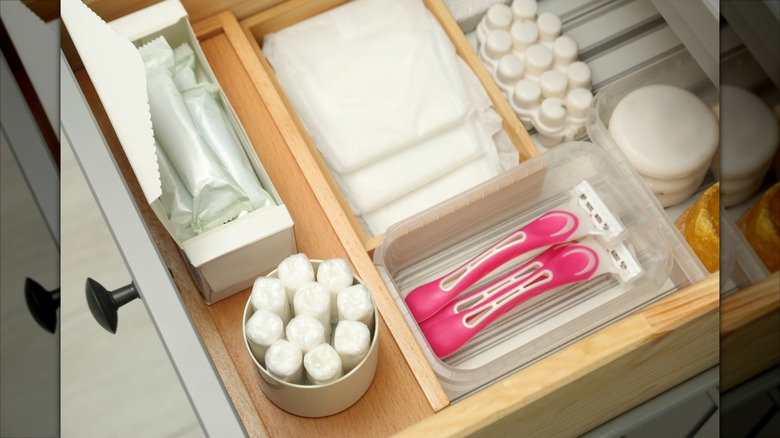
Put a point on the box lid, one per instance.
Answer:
(117, 72)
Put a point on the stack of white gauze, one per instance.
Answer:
(536, 69)
(204, 172)
(301, 349)
(381, 91)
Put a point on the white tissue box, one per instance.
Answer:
(224, 260)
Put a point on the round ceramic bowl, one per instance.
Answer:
(319, 400)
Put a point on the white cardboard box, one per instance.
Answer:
(224, 260)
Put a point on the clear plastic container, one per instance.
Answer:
(441, 239)
(740, 266)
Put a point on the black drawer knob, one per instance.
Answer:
(104, 304)
(42, 304)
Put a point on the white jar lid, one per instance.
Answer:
(750, 133)
(664, 131)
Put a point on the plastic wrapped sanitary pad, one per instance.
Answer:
(216, 196)
(342, 68)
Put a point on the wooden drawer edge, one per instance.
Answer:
(598, 377)
(750, 332)
(750, 303)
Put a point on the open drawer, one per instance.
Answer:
(568, 392)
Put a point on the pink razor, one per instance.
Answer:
(585, 214)
(459, 322)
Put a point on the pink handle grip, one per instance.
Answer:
(487, 293)
(448, 334)
(553, 227)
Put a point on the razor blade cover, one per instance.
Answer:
(585, 214)
(458, 322)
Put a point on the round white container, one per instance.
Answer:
(319, 400)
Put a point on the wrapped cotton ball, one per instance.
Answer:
(312, 299)
(269, 294)
(355, 304)
(294, 271)
(306, 332)
(351, 340)
(335, 275)
(322, 365)
(284, 360)
(263, 329)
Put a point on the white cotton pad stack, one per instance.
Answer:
(284, 360)
(669, 136)
(750, 138)
(355, 304)
(294, 271)
(351, 340)
(306, 332)
(323, 365)
(313, 299)
(335, 275)
(262, 330)
(268, 293)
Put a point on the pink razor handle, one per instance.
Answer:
(555, 226)
(574, 263)
(489, 292)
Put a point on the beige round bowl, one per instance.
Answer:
(319, 400)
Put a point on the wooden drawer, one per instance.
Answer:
(568, 392)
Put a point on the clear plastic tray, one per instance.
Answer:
(439, 240)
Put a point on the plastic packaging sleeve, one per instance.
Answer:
(216, 196)
(176, 199)
(269, 293)
(323, 365)
(314, 300)
(284, 360)
(294, 271)
(306, 332)
(335, 275)
(214, 127)
(262, 330)
(351, 340)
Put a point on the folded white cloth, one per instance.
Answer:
(369, 78)
(437, 191)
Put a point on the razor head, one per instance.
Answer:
(622, 263)
(604, 223)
